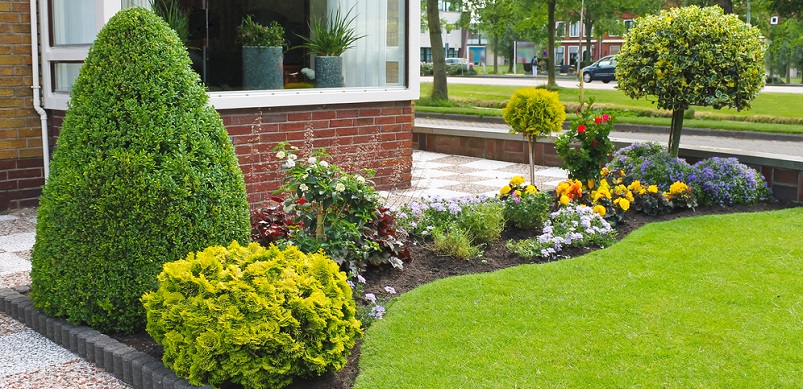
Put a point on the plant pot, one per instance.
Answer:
(263, 67)
(329, 72)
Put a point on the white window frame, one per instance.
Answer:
(574, 30)
(105, 9)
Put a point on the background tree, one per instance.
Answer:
(691, 56)
(785, 50)
(491, 16)
(788, 8)
(440, 89)
(143, 173)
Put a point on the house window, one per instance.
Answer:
(560, 29)
(426, 54)
(574, 29)
(559, 54)
(378, 61)
(628, 25)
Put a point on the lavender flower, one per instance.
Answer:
(370, 297)
(390, 289)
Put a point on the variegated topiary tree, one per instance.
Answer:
(691, 56)
(534, 112)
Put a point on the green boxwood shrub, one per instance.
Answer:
(143, 173)
(252, 316)
(534, 112)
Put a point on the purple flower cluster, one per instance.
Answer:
(419, 217)
(726, 181)
(650, 163)
(573, 225)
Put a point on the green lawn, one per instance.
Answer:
(709, 302)
(766, 105)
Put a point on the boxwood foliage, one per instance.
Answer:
(534, 112)
(143, 173)
(252, 316)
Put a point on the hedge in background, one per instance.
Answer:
(143, 173)
(252, 316)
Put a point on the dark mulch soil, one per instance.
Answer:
(427, 267)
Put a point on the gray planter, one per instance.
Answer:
(329, 72)
(262, 67)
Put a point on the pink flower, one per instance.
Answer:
(605, 117)
(581, 129)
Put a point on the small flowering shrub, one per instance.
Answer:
(719, 181)
(585, 147)
(338, 212)
(457, 226)
(571, 226)
(525, 206)
(372, 307)
(650, 163)
(252, 316)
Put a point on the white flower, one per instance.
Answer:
(324, 164)
(312, 160)
(290, 163)
(360, 279)
(370, 297)
(293, 147)
(292, 156)
(340, 187)
(360, 179)
(303, 187)
(280, 155)
(390, 289)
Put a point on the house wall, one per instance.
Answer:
(21, 167)
(376, 136)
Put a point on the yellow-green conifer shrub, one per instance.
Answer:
(534, 112)
(252, 316)
(143, 173)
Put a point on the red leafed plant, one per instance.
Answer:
(270, 224)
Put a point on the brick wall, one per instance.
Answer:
(377, 136)
(21, 167)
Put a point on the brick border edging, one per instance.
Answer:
(128, 364)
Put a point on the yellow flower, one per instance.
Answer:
(604, 172)
(652, 189)
(600, 210)
(590, 184)
(564, 200)
(624, 204)
(517, 180)
(635, 186)
(517, 193)
(620, 188)
(563, 187)
(678, 188)
(629, 196)
(530, 189)
(505, 189)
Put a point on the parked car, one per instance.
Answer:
(603, 70)
(460, 61)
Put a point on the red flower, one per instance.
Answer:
(581, 129)
(302, 201)
(598, 120)
(595, 143)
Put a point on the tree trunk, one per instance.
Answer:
(496, 50)
(439, 88)
(550, 62)
(674, 132)
(726, 5)
(532, 163)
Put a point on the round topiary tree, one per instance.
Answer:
(534, 113)
(691, 56)
(252, 316)
(143, 173)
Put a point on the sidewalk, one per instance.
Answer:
(780, 144)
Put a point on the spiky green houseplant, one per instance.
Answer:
(143, 173)
(691, 56)
(534, 113)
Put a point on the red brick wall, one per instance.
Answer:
(370, 135)
(21, 167)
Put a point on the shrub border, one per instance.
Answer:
(128, 364)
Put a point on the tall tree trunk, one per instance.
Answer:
(550, 62)
(496, 50)
(588, 55)
(674, 132)
(439, 88)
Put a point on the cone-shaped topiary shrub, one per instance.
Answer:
(143, 173)
(252, 316)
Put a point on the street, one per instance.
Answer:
(568, 83)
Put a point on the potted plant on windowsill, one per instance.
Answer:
(329, 38)
(262, 54)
